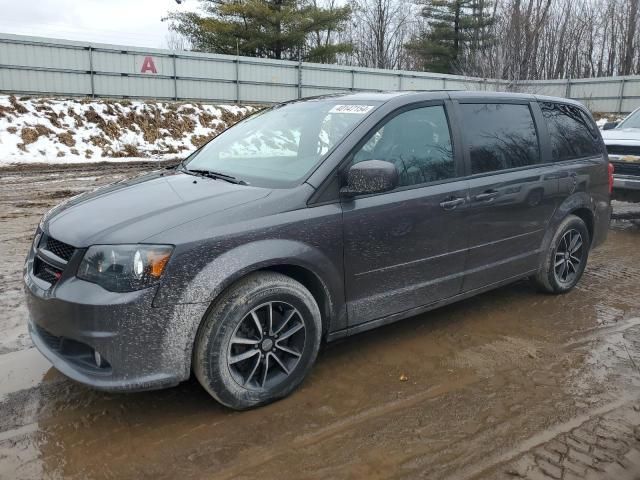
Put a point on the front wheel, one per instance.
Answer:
(567, 257)
(259, 341)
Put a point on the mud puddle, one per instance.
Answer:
(455, 393)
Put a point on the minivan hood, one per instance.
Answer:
(133, 210)
(630, 135)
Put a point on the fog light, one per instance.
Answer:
(98, 358)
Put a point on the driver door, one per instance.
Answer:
(406, 248)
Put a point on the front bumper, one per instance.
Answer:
(142, 347)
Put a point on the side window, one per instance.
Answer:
(417, 142)
(571, 134)
(500, 136)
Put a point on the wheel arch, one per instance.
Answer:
(312, 282)
(587, 217)
(579, 204)
(300, 261)
(310, 279)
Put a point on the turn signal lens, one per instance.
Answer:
(157, 260)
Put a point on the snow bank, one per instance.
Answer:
(82, 130)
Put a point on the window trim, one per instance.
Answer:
(464, 138)
(341, 169)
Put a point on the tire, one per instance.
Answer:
(561, 271)
(231, 354)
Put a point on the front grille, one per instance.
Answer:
(46, 272)
(58, 248)
(626, 168)
(623, 149)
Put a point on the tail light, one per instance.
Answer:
(611, 169)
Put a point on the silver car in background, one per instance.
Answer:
(623, 146)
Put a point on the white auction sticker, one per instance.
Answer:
(357, 109)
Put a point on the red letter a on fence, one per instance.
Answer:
(148, 65)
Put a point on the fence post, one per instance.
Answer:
(353, 80)
(400, 82)
(567, 92)
(621, 95)
(175, 77)
(238, 79)
(93, 88)
(299, 77)
(444, 83)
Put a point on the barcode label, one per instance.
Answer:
(357, 109)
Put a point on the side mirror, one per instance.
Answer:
(371, 176)
(610, 125)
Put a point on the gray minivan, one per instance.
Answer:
(310, 221)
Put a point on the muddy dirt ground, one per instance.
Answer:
(510, 384)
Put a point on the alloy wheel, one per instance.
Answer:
(568, 257)
(266, 345)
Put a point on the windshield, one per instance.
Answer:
(278, 147)
(632, 121)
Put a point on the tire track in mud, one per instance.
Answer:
(605, 446)
(417, 463)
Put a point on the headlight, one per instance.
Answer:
(124, 268)
(36, 239)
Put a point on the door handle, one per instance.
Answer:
(486, 196)
(452, 203)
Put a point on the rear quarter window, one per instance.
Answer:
(571, 133)
(499, 136)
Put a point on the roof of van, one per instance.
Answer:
(437, 94)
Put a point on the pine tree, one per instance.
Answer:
(455, 28)
(262, 28)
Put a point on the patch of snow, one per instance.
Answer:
(606, 119)
(51, 130)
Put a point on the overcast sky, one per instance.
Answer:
(126, 22)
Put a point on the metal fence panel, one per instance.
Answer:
(203, 68)
(312, 92)
(257, 72)
(314, 76)
(595, 89)
(130, 63)
(44, 82)
(632, 89)
(463, 85)
(422, 83)
(43, 56)
(376, 81)
(597, 105)
(552, 89)
(629, 104)
(203, 90)
(34, 65)
(136, 87)
(250, 93)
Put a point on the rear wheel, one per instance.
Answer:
(567, 257)
(259, 341)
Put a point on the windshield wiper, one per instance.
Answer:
(214, 175)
